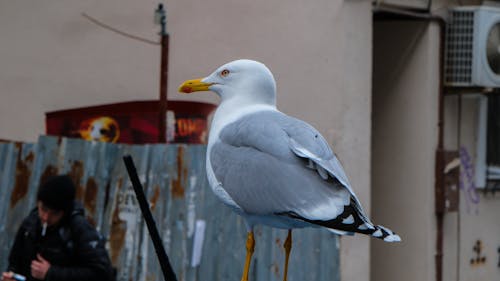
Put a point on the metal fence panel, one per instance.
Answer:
(158, 194)
(182, 203)
(7, 174)
(81, 160)
(123, 221)
(16, 191)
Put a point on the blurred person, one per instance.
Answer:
(56, 242)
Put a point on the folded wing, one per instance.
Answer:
(272, 164)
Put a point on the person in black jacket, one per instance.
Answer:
(56, 242)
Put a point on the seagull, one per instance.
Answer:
(271, 168)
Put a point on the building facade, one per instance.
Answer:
(366, 74)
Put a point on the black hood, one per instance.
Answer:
(78, 209)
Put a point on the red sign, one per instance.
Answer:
(133, 122)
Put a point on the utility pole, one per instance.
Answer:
(161, 19)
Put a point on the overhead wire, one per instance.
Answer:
(108, 27)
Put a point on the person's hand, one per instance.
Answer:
(7, 276)
(39, 267)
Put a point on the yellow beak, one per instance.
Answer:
(194, 85)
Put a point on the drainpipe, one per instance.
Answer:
(439, 166)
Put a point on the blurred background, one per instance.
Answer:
(405, 91)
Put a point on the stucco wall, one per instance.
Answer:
(405, 82)
(320, 52)
(478, 210)
(405, 108)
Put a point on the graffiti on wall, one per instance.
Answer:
(466, 184)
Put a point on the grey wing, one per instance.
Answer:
(255, 165)
(306, 142)
(272, 164)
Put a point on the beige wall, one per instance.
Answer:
(405, 96)
(52, 58)
(478, 215)
(405, 99)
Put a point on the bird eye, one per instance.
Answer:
(224, 73)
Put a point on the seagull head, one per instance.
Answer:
(242, 80)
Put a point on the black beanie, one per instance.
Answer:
(57, 193)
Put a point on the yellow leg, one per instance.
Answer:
(288, 247)
(250, 249)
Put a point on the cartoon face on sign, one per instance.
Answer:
(102, 128)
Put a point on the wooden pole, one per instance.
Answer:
(163, 77)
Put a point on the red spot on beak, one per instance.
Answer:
(187, 89)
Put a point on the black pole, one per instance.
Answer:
(168, 273)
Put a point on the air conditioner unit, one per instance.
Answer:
(472, 54)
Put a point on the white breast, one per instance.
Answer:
(226, 113)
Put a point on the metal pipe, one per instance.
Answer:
(439, 166)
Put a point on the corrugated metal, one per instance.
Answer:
(180, 198)
(16, 165)
(7, 173)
